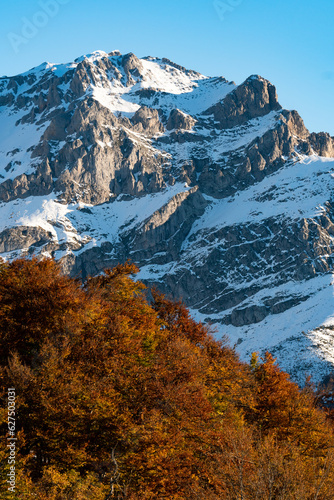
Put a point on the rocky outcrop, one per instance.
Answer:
(167, 228)
(26, 237)
(147, 120)
(178, 120)
(322, 144)
(132, 68)
(87, 152)
(255, 97)
(37, 184)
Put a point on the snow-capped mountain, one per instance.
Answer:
(218, 194)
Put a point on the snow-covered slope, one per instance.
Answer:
(218, 194)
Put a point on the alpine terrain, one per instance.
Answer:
(220, 196)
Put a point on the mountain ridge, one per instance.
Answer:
(216, 192)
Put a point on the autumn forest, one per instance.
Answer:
(120, 394)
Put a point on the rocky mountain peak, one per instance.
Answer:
(132, 68)
(114, 53)
(219, 195)
(255, 97)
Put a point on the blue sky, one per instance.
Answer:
(290, 42)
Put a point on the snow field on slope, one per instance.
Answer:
(79, 223)
(297, 337)
(107, 221)
(17, 137)
(39, 211)
(178, 90)
(219, 142)
(297, 190)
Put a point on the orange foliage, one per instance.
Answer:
(119, 398)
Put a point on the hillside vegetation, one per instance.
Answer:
(121, 398)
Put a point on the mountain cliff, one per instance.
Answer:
(219, 195)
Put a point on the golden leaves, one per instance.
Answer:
(120, 398)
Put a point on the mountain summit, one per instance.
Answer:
(219, 195)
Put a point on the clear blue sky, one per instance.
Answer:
(290, 42)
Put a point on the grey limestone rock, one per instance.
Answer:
(26, 237)
(255, 97)
(147, 120)
(179, 120)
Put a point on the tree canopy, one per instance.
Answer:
(121, 398)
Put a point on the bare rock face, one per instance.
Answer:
(147, 121)
(16, 238)
(295, 124)
(255, 97)
(36, 184)
(132, 67)
(322, 144)
(178, 120)
(165, 231)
